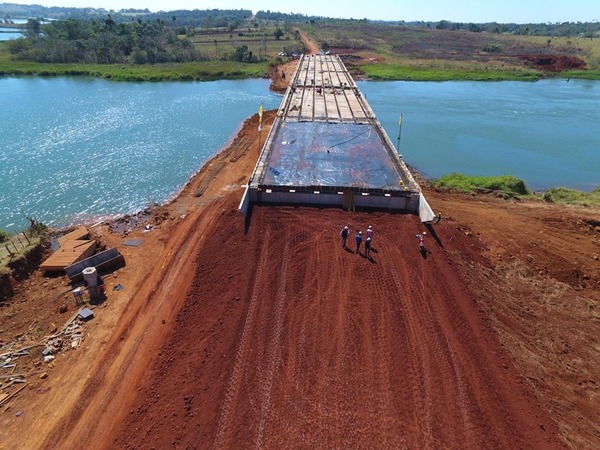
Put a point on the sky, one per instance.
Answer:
(481, 11)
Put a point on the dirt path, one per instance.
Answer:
(311, 46)
(280, 75)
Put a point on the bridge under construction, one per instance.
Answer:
(326, 147)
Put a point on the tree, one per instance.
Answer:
(443, 25)
(278, 33)
(32, 28)
(240, 54)
(109, 22)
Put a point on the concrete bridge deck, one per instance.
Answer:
(326, 146)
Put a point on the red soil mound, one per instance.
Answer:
(553, 63)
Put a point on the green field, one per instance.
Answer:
(261, 42)
(396, 52)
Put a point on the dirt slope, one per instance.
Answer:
(540, 291)
(288, 340)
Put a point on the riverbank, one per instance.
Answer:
(222, 70)
(198, 71)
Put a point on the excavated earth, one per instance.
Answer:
(263, 332)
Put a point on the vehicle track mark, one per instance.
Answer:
(235, 380)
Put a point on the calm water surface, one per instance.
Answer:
(547, 132)
(74, 149)
(7, 34)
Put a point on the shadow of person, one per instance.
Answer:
(247, 219)
(434, 235)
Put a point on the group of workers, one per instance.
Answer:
(359, 238)
(369, 240)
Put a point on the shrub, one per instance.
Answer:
(469, 183)
(4, 236)
(564, 195)
(37, 228)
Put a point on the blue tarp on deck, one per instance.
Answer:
(331, 154)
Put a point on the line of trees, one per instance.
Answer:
(194, 18)
(585, 29)
(102, 42)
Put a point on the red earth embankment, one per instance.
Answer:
(287, 340)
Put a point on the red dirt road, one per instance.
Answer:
(286, 340)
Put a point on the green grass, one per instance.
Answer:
(469, 183)
(389, 72)
(562, 195)
(510, 187)
(201, 71)
(581, 74)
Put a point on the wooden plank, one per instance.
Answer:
(78, 234)
(73, 246)
(13, 394)
(65, 257)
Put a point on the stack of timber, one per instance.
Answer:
(74, 247)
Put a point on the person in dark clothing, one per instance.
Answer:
(358, 241)
(344, 234)
(368, 247)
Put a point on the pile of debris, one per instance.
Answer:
(69, 337)
(12, 381)
(17, 365)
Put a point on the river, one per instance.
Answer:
(546, 132)
(77, 149)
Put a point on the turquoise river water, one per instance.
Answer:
(78, 149)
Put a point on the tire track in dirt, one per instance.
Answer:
(303, 371)
(430, 343)
(382, 330)
(418, 385)
(275, 347)
(235, 380)
(446, 356)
